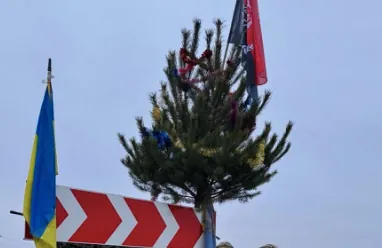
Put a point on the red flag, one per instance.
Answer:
(255, 40)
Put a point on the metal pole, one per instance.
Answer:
(16, 213)
(225, 55)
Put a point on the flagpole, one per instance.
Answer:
(225, 54)
(49, 72)
(227, 46)
(229, 40)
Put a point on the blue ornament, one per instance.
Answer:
(175, 72)
(162, 137)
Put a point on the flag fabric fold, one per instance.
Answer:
(245, 32)
(40, 191)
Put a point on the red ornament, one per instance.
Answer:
(185, 56)
(206, 54)
(182, 71)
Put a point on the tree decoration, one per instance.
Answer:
(259, 158)
(210, 147)
(156, 113)
(162, 138)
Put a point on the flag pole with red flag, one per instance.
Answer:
(246, 32)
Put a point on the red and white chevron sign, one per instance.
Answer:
(107, 219)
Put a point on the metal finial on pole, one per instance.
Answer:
(50, 65)
(49, 76)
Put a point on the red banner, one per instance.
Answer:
(255, 40)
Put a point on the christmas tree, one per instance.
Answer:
(204, 144)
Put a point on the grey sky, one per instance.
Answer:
(323, 58)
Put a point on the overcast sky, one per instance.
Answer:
(324, 68)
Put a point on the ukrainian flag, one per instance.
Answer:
(40, 190)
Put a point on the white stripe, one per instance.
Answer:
(171, 225)
(200, 242)
(76, 215)
(128, 220)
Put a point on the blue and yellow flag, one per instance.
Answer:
(40, 190)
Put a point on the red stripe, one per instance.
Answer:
(255, 38)
(150, 224)
(102, 218)
(190, 228)
(61, 213)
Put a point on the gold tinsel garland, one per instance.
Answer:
(210, 152)
(156, 113)
(259, 158)
(179, 144)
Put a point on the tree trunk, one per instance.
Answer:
(203, 199)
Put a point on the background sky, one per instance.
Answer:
(324, 67)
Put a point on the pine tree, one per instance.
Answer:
(201, 147)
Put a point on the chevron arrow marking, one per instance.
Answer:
(102, 218)
(150, 223)
(128, 220)
(172, 226)
(76, 215)
(108, 219)
(190, 228)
